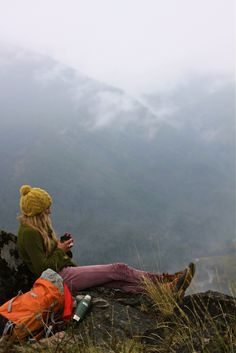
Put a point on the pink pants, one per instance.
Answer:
(118, 275)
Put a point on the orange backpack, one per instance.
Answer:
(31, 314)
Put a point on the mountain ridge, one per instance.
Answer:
(120, 178)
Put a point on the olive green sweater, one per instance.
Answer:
(32, 251)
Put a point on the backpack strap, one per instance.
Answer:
(7, 329)
(9, 308)
(68, 304)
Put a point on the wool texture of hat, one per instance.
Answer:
(34, 201)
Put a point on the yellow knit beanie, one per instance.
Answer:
(34, 201)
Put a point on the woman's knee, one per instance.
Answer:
(120, 267)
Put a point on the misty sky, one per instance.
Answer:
(137, 45)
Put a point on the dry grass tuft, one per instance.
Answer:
(197, 332)
(163, 299)
(175, 331)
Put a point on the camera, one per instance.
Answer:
(65, 237)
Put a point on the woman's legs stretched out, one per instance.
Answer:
(118, 275)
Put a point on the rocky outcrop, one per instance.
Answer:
(14, 275)
(202, 322)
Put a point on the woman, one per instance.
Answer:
(40, 249)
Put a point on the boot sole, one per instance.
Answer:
(185, 281)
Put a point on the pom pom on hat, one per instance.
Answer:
(33, 201)
(25, 189)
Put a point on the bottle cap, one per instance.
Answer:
(76, 317)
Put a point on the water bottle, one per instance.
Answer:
(82, 308)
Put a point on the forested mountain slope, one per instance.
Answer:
(149, 182)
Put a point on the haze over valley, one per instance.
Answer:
(146, 180)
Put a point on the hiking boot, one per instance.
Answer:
(185, 280)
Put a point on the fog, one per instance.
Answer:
(125, 112)
(139, 46)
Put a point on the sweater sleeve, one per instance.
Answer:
(34, 247)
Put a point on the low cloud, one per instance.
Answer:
(138, 46)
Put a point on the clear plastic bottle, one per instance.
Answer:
(82, 308)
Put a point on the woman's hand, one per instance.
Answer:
(66, 245)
